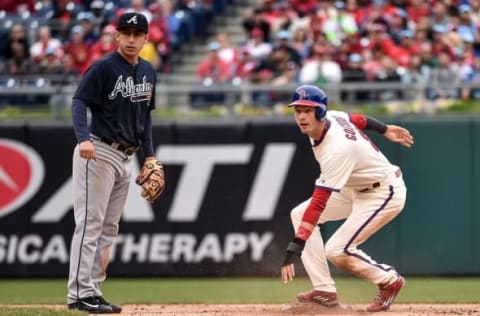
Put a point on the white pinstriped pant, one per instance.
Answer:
(100, 189)
(365, 214)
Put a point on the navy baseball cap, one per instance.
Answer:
(133, 20)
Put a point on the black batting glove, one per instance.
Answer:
(294, 251)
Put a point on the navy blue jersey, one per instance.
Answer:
(120, 97)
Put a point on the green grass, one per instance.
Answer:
(223, 290)
(237, 290)
(12, 311)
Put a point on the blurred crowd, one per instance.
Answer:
(66, 36)
(426, 42)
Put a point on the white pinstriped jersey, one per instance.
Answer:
(347, 157)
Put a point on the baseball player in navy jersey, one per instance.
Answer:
(357, 183)
(119, 90)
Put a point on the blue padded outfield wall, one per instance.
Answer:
(230, 188)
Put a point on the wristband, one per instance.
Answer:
(294, 250)
(375, 125)
(296, 246)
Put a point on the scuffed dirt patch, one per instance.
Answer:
(295, 309)
(305, 309)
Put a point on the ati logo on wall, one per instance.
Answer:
(21, 174)
(198, 162)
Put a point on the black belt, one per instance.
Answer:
(126, 149)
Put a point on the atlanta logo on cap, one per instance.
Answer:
(133, 20)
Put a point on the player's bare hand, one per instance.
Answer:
(398, 134)
(87, 150)
(288, 272)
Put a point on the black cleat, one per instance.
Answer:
(115, 308)
(92, 305)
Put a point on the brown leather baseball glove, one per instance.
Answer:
(152, 180)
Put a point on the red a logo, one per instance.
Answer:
(21, 174)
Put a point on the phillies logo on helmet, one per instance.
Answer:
(302, 94)
(21, 174)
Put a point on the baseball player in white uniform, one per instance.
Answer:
(357, 183)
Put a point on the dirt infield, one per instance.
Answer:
(295, 309)
(304, 309)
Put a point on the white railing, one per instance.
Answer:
(177, 90)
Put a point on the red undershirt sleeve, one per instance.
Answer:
(365, 122)
(312, 213)
(359, 120)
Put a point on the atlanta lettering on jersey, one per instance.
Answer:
(128, 88)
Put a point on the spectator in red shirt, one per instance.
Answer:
(245, 65)
(360, 14)
(386, 9)
(315, 23)
(418, 9)
(227, 52)
(304, 5)
(105, 44)
(79, 51)
(378, 37)
(375, 14)
(11, 6)
(402, 54)
(213, 69)
(421, 36)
